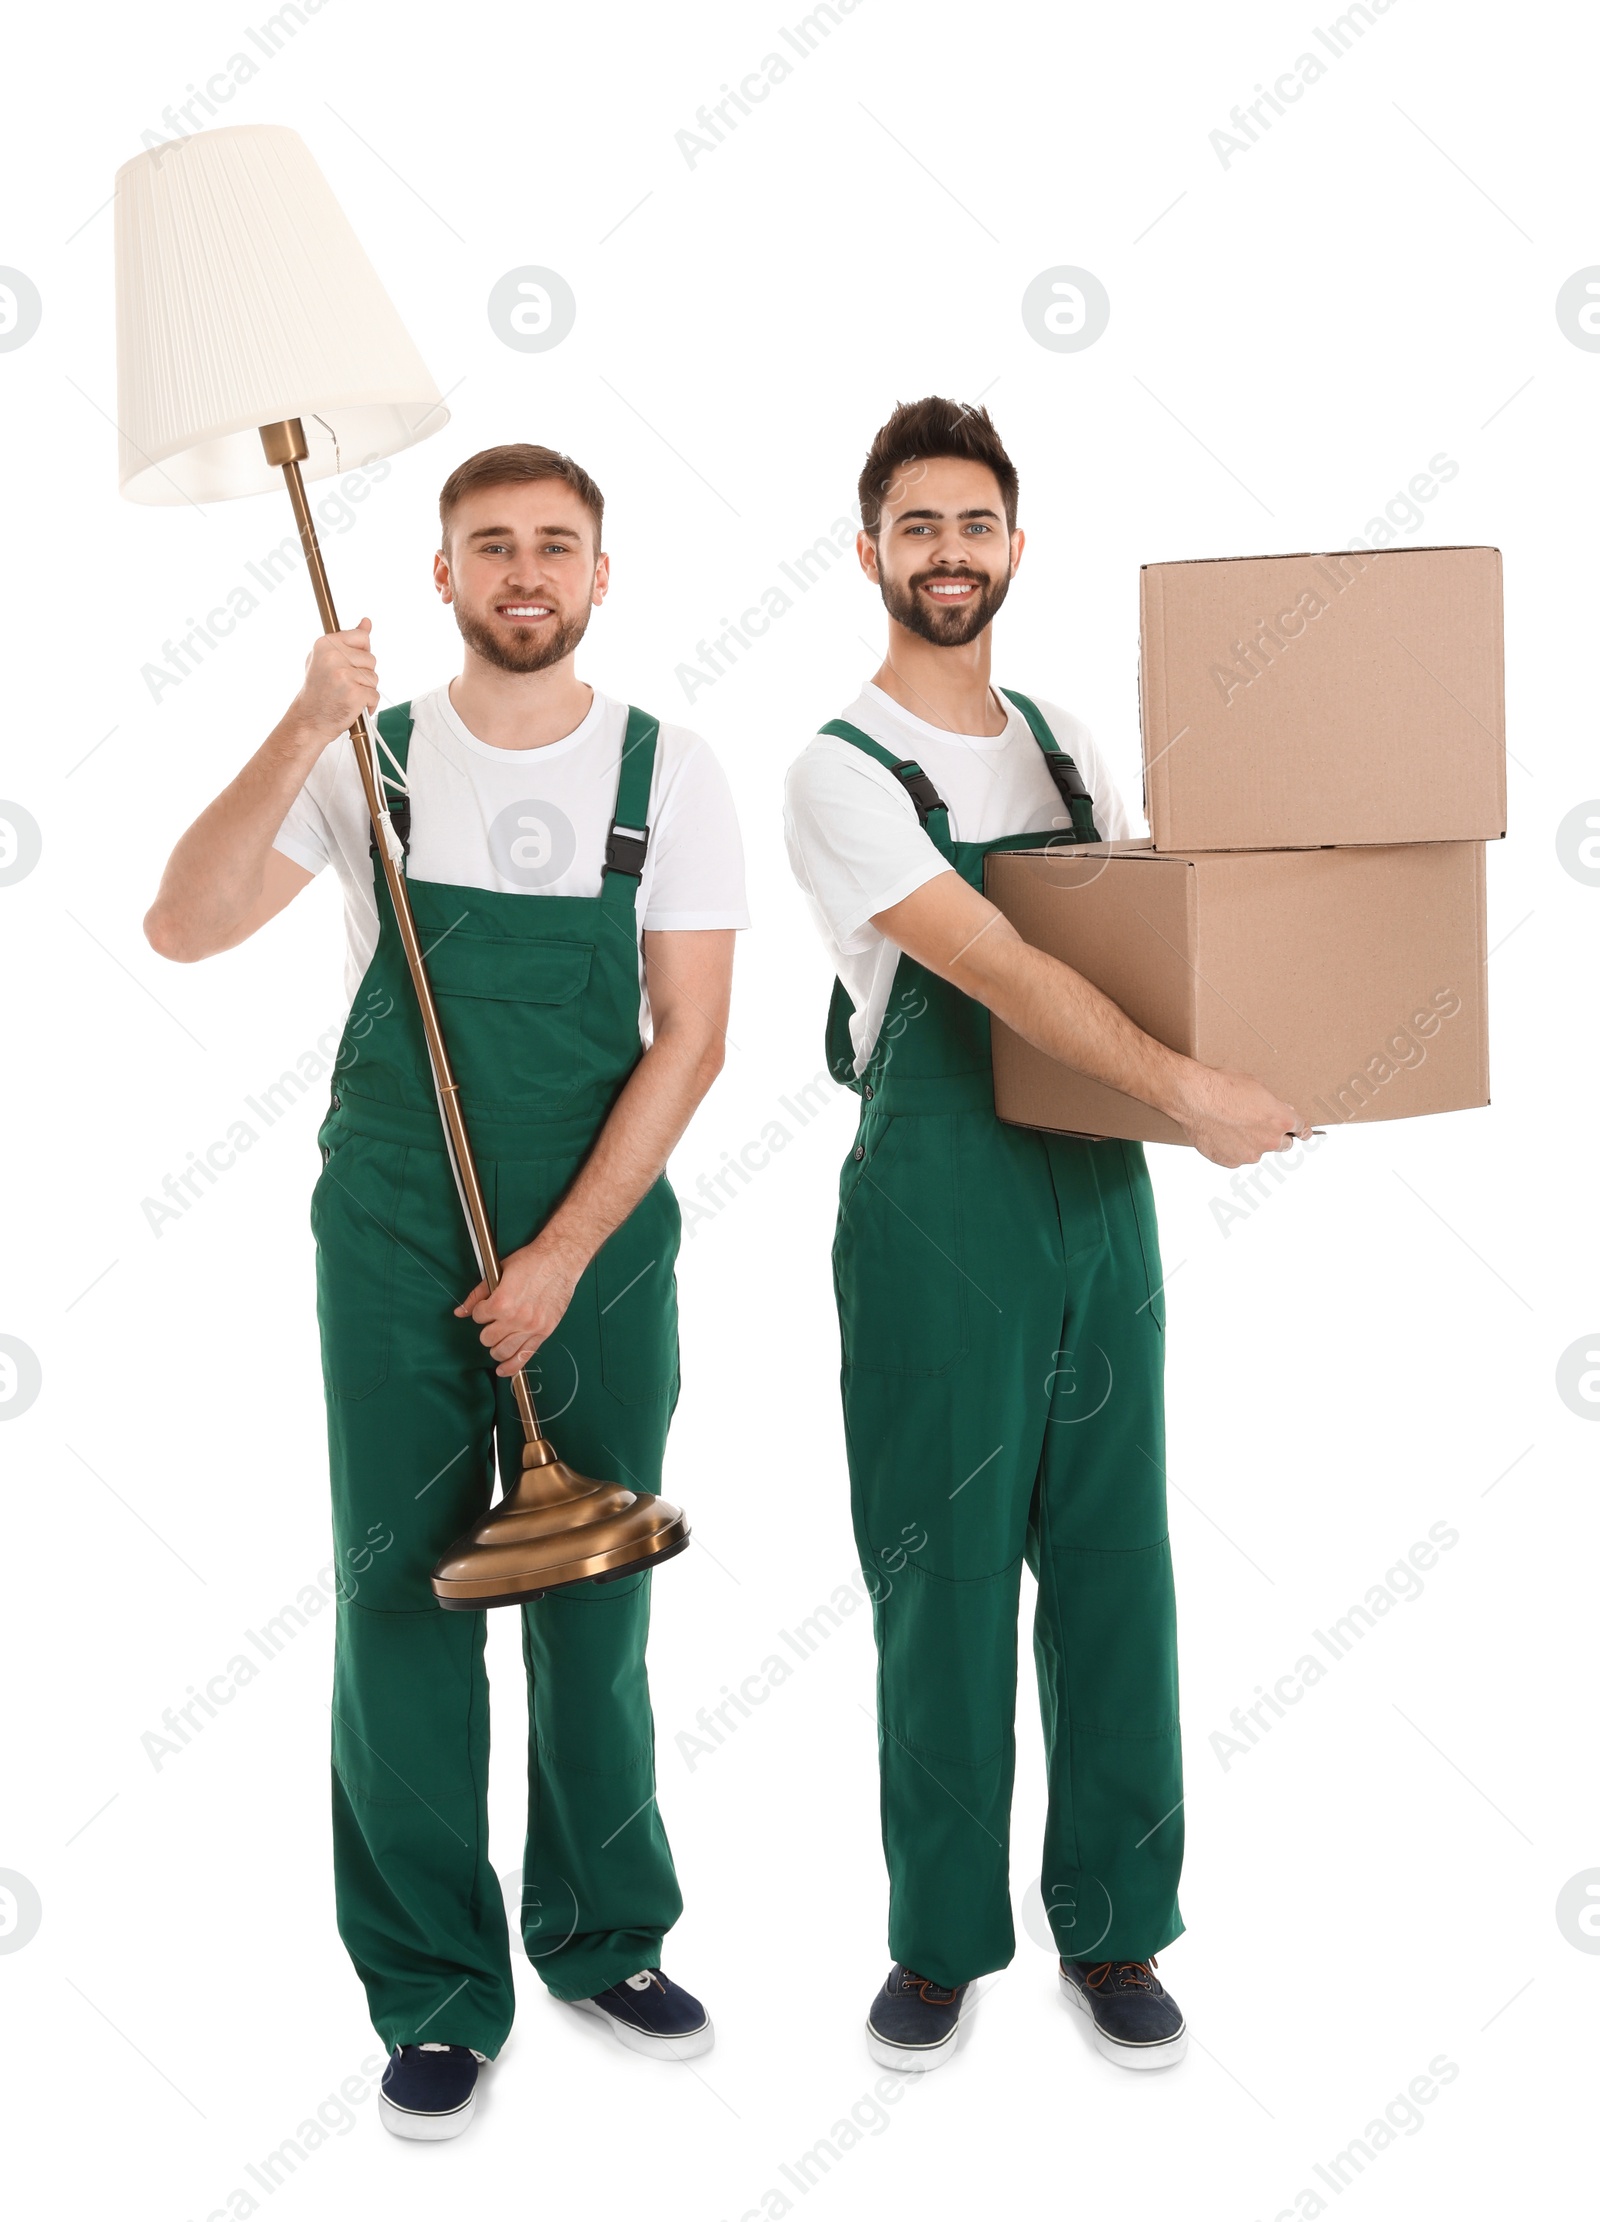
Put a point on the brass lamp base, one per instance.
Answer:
(557, 1527)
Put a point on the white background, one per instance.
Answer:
(1292, 337)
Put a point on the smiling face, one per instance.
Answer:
(942, 557)
(521, 572)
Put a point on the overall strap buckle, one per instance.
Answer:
(399, 818)
(393, 731)
(1068, 778)
(920, 788)
(627, 845)
(1070, 787)
(626, 849)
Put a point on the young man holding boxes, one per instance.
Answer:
(999, 1290)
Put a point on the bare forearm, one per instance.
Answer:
(646, 1123)
(1060, 1012)
(688, 978)
(949, 927)
(224, 879)
(212, 885)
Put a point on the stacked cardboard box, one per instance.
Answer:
(1324, 754)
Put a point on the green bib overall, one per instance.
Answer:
(1002, 1325)
(539, 998)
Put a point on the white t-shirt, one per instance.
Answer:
(856, 845)
(528, 821)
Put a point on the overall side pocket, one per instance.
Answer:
(353, 1210)
(637, 1294)
(1142, 1198)
(901, 1290)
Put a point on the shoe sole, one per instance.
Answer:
(688, 2046)
(1166, 2054)
(915, 2059)
(401, 2121)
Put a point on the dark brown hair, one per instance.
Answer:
(918, 432)
(520, 464)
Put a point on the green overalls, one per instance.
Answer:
(539, 998)
(1002, 1325)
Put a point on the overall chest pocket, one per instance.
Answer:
(518, 1019)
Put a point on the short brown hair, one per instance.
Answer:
(520, 464)
(919, 431)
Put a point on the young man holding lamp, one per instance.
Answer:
(577, 876)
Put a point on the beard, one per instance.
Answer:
(515, 651)
(944, 628)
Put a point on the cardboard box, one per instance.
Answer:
(1300, 701)
(1351, 981)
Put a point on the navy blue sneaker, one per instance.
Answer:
(429, 2090)
(650, 2013)
(1137, 2021)
(913, 2021)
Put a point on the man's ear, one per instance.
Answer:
(867, 554)
(441, 576)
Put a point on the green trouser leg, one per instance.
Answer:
(599, 1890)
(999, 1302)
(413, 1410)
(1104, 1628)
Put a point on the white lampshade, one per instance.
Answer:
(243, 299)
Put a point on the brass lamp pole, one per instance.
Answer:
(557, 1526)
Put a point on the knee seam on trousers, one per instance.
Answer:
(945, 1758)
(1097, 1550)
(962, 1581)
(552, 1756)
(1128, 1735)
(390, 1612)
